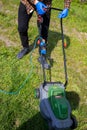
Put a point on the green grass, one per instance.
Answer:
(19, 110)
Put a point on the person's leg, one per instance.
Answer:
(43, 26)
(43, 32)
(23, 21)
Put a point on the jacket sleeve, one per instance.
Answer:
(30, 1)
(29, 6)
(67, 3)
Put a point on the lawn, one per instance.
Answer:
(19, 110)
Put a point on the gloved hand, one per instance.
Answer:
(40, 8)
(64, 13)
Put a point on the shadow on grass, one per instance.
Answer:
(53, 39)
(38, 123)
(34, 123)
(73, 98)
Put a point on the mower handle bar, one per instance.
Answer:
(64, 55)
(55, 8)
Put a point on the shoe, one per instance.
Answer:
(43, 62)
(22, 53)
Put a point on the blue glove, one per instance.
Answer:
(41, 8)
(64, 13)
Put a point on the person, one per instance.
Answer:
(25, 12)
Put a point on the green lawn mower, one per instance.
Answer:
(54, 106)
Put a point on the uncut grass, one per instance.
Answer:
(21, 111)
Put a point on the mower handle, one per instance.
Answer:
(55, 8)
(64, 54)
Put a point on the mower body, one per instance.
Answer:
(54, 106)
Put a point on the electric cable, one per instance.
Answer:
(27, 78)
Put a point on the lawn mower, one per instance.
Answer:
(54, 106)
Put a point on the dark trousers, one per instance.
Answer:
(23, 25)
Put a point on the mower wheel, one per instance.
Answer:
(37, 93)
(75, 123)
